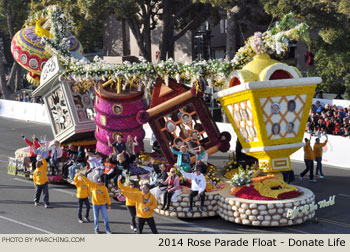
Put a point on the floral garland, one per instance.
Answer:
(214, 71)
(58, 42)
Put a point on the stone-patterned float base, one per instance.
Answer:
(264, 213)
(180, 208)
(242, 211)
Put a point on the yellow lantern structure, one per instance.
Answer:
(268, 103)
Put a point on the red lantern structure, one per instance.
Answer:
(178, 115)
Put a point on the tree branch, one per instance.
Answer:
(183, 31)
(180, 13)
(132, 22)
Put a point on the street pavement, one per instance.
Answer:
(18, 215)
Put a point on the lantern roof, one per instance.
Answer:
(262, 67)
(163, 92)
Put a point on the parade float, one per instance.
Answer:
(28, 45)
(267, 103)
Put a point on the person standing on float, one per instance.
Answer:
(33, 145)
(183, 158)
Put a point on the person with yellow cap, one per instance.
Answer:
(83, 193)
(100, 198)
(145, 204)
(130, 203)
(41, 181)
(309, 161)
(318, 156)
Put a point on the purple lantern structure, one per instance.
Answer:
(116, 113)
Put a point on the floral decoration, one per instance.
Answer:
(214, 72)
(243, 177)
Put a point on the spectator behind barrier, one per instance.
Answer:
(329, 119)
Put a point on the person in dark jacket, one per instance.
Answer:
(80, 162)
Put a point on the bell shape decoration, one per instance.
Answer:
(29, 51)
(267, 104)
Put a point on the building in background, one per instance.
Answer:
(207, 42)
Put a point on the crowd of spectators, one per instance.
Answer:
(329, 119)
(24, 97)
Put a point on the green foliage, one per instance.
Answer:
(347, 86)
(331, 48)
(18, 8)
(87, 16)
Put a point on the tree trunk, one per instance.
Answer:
(147, 34)
(6, 91)
(135, 29)
(171, 47)
(18, 80)
(232, 27)
(165, 37)
(9, 18)
(126, 42)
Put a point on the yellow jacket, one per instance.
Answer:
(129, 202)
(142, 201)
(40, 174)
(308, 152)
(83, 190)
(318, 149)
(100, 194)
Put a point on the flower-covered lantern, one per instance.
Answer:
(178, 115)
(29, 50)
(70, 108)
(116, 112)
(267, 103)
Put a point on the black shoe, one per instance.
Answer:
(86, 219)
(202, 209)
(190, 209)
(97, 231)
(163, 207)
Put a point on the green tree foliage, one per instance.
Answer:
(180, 16)
(87, 16)
(142, 17)
(238, 13)
(12, 15)
(330, 20)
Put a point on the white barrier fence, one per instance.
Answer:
(339, 103)
(24, 111)
(335, 153)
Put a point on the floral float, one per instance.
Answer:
(46, 30)
(267, 187)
